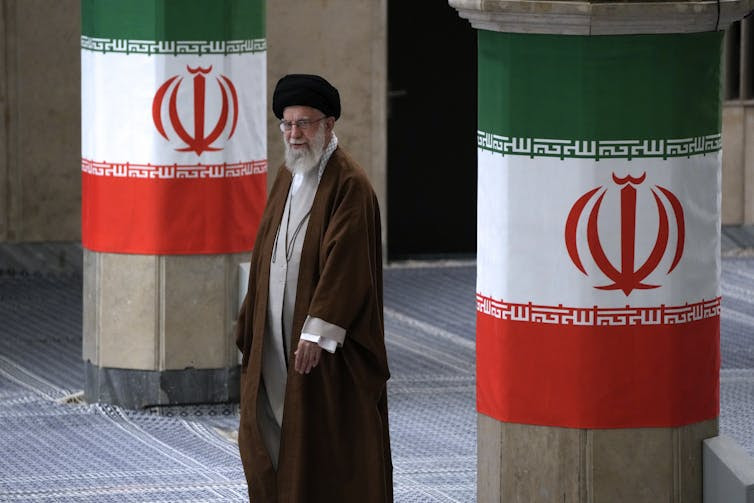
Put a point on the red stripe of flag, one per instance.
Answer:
(662, 375)
(175, 216)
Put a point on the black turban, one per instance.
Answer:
(307, 90)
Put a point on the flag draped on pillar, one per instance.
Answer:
(173, 125)
(598, 298)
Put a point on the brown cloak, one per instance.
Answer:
(335, 444)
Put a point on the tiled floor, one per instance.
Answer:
(59, 451)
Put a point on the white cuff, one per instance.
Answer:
(328, 345)
(318, 326)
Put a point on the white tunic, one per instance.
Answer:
(284, 269)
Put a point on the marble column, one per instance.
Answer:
(598, 293)
(173, 185)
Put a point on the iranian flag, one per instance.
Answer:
(598, 288)
(173, 144)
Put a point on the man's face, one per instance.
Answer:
(304, 146)
(301, 138)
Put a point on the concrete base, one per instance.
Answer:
(137, 389)
(532, 464)
(728, 472)
(148, 319)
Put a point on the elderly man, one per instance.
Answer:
(314, 424)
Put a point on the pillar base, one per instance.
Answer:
(138, 389)
(519, 462)
(158, 330)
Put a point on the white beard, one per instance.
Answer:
(304, 160)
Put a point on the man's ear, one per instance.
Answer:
(330, 123)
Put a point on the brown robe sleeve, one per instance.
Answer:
(350, 286)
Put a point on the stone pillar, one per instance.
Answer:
(40, 193)
(354, 58)
(598, 295)
(173, 186)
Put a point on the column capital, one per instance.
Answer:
(575, 17)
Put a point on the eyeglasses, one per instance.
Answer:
(301, 124)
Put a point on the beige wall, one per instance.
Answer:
(738, 163)
(345, 42)
(40, 139)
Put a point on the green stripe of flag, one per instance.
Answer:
(173, 20)
(600, 87)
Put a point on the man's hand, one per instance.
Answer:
(307, 356)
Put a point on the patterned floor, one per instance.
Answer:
(57, 449)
